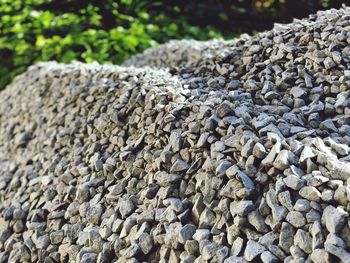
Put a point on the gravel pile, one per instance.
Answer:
(219, 151)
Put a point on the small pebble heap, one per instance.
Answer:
(220, 151)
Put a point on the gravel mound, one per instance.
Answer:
(219, 151)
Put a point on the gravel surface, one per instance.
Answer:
(219, 151)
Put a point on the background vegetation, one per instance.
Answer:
(110, 31)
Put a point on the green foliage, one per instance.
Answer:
(90, 30)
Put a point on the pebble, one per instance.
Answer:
(334, 218)
(252, 250)
(241, 208)
(321, 256)
(310, 193)
(302, 205)
(296, 219)
(303, 240)
(259, 151)
(268, 257)
(283, 160)
(126, 208)
(294, 182)
(186, 233)
(286, 238)
(207, 219)
(179, 166)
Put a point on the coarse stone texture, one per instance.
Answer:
(217, 151)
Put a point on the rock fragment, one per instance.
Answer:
(252, 250)
(334, 218)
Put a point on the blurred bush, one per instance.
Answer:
(87, 30)
(110, 31)
(244, 16)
